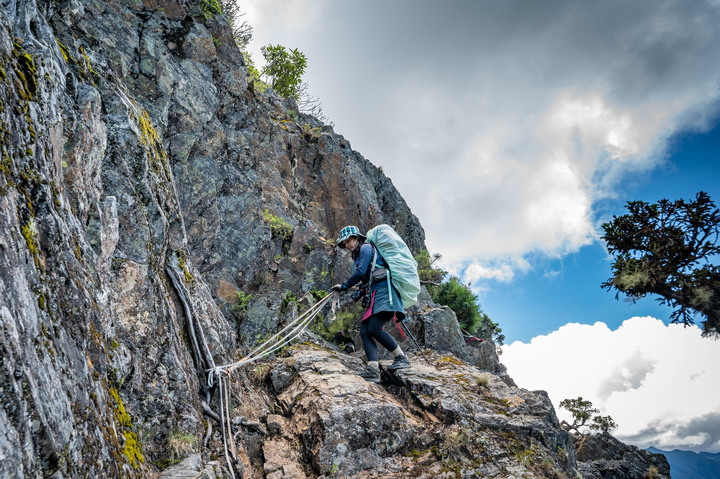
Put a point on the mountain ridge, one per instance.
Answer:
(691, 465)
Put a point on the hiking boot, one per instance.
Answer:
(371, 374)
(401, 362)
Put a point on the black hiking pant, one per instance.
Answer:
(371, 330)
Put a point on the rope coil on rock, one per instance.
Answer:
(277, 341)
(221, 374)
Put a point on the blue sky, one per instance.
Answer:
(513, 129)
(568, 290)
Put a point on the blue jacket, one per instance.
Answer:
(361, 274)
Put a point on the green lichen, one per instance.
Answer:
(25, 83)
(29, 232)
(182, 262)
(26, 71)
(6, 168)
(131, 449)
(65, 53)
(88, 65)
(56, 197)
(84, 68)
(451, 360)
(41, 302)
(121, 415)
(153, 145)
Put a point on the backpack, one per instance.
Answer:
(402, 267)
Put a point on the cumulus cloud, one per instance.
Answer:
(504, 123)
(659, 383)
(502, 271)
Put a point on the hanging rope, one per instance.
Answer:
(277, 341)
(221, 374)
(282, 337)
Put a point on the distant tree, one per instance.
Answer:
(583, 411)
(430, 275)
(284, 69)
(603, 423)
(667, 249)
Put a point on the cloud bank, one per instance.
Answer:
(504, 123)
(660, 383)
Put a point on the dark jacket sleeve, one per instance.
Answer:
(362, 266)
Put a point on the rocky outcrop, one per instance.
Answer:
(159, 215)
(601, 456)
(443, 419)
(437, 327)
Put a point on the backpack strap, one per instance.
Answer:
(372, 269)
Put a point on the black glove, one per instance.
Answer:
(337, 287)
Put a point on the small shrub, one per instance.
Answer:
(260, 372)
(180, 444)
(284, 69)
(318, 294)
(278, 226)
(653, 472)
(240, 307)
(210, 8)
(311, 133)
(289, 298)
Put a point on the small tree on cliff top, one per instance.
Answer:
(284, 69)
(583, 411)
(666, 249)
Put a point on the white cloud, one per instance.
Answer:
(659, 383)
(503, 123)
(475, 271)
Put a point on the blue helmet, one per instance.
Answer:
(347, 232)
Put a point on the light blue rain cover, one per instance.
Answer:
(403, 267)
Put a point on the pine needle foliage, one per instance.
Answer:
(668, 249)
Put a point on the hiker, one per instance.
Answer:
(380, 309)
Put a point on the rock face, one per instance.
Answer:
(601, 456)
(158, 216)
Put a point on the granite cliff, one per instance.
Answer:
(151, 199)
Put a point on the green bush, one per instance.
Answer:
(279, 227)
(458, 297)
(284, 69)
(240, 308)
(210, 8)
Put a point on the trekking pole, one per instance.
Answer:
(407, 330)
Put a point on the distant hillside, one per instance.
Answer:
(691, 465)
